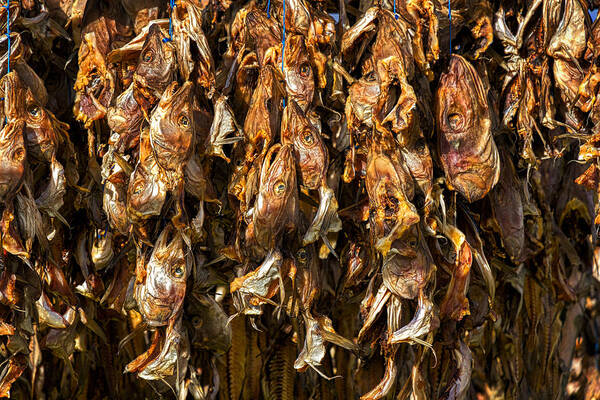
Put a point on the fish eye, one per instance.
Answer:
(420, 145)
(304, 70)
(308, 138)
(148, 56)
(454, 120)
(196, 321)
(34, 111)
(138, 188)
(279, 188)
(178, 271)
(412, 243)
(184, 121)
(19, 154)
(302, 256)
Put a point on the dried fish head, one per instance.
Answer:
(393, 40)
(95, 84)
(309, 149)
(507, 208)
(408, 265)
(43, 132)
(13, 93)
(389, 187)
(125, 119)
(465, 142)
(264, 114)
(363, 96)
(224, 124)
(354, 39)
(276, 205)
(172, 127)
(146, 190)
(312, 160)
(161, 291)
(419, 163)
(114, 197)
(570, 38)
(12, 157)
(299, 78)
(263, 34)
(194, 55)
(210, 327)
(156, 67)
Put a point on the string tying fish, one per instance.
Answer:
(450, 25)
(395, 14)
(269, 9)
(283, 44)
(170, 38)
(8, 32)
(7, 6)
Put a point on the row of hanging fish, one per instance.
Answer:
(293, 199)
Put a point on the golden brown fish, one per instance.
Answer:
(276, 207)
(465, 140)
(95, 84)
(160, 288)
(172, 128)
(125, 120)
(312, 161)
(146, 190)
(12, 158)
(390, 189)
(298, 72)
(408, 265)
(155, 69)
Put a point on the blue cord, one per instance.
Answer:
(395, 15)
(9, 45)
(283, 45)
(450, 24)
(268, 9)
(172, 4)
(8, 31)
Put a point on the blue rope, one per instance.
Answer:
(450, 25)
(268, 9)
(283, 44)
(8, 31)
(395, 15)
(9, 45)
(172, 4)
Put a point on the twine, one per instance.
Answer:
(450, 25)
(8, 31)
(170, 38)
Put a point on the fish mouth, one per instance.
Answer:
(472, 183)
(311, 178)
(157, 312)
(157, 302)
